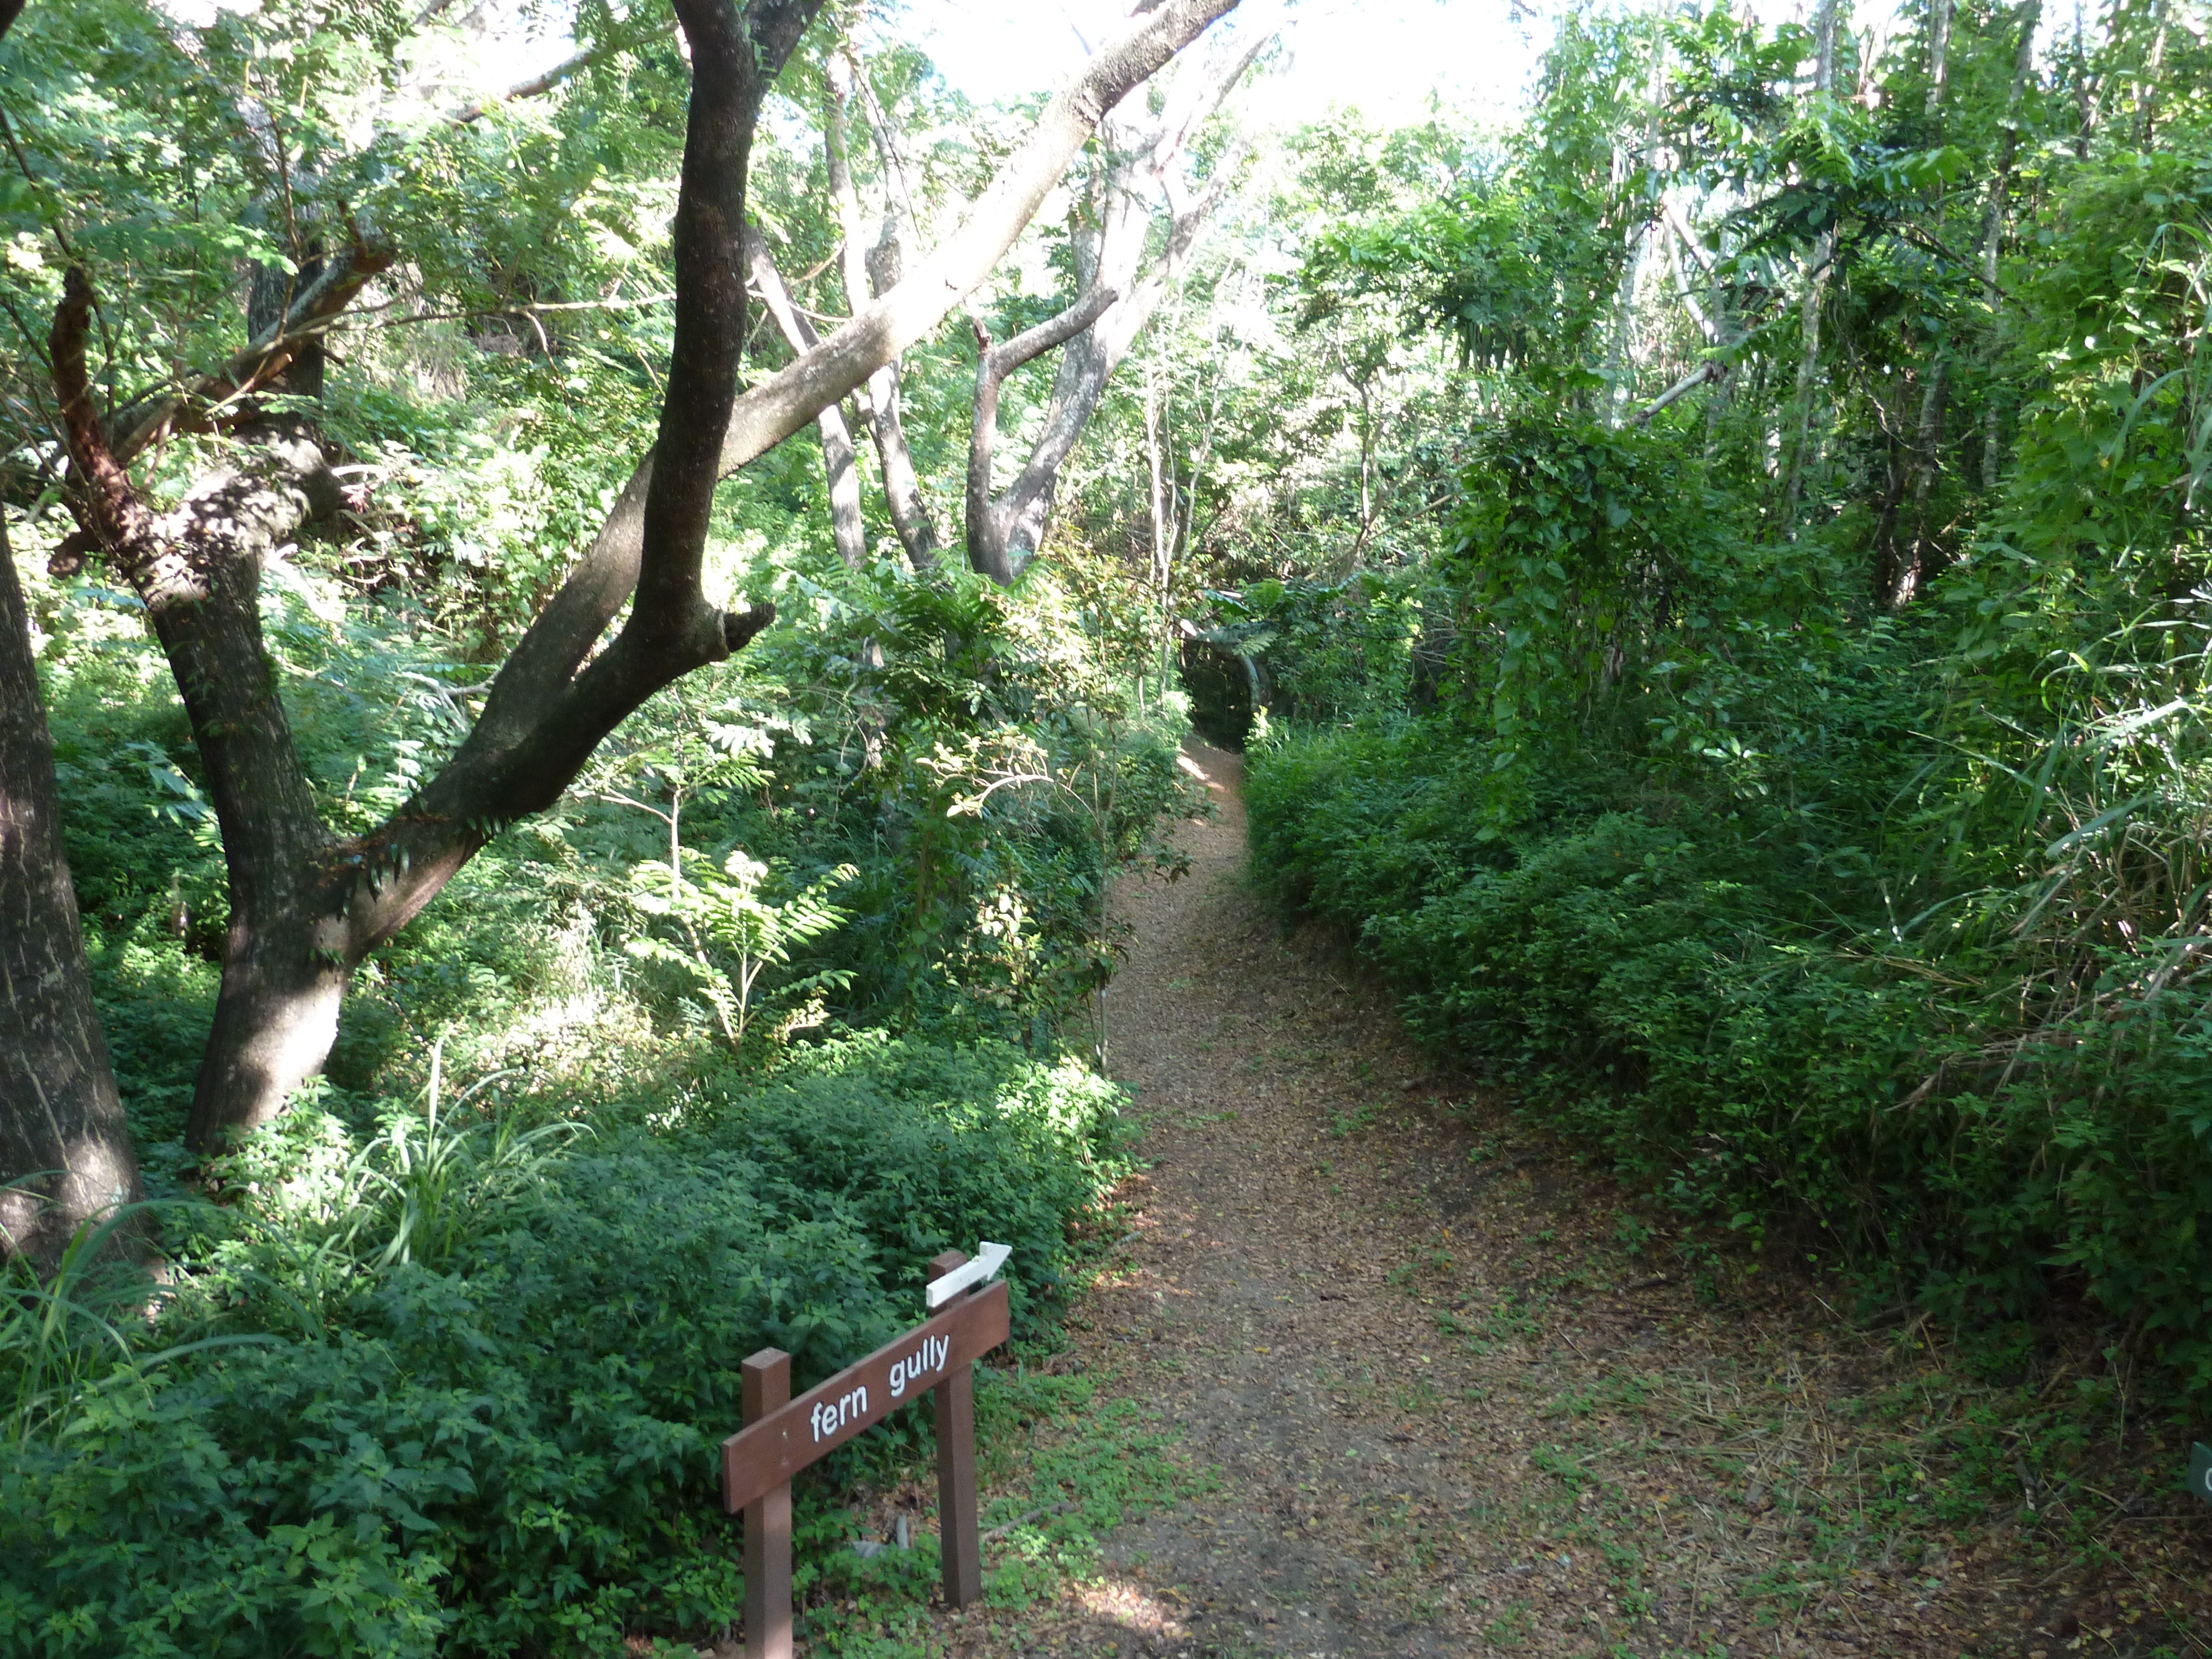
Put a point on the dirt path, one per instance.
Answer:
(1454, 1411)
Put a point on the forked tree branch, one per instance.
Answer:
(312, 312)
(1137, 165)
(993, 364)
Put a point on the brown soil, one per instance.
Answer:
(1452, 1412)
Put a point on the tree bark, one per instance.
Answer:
(65, 1153)
(198, 572)
(910, 513)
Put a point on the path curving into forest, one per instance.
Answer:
(1451, 1411)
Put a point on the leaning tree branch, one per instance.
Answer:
(542, 717)
(543, 82)
(772, 411)
(1710, 369)
(549, 708)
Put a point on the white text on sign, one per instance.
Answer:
(925, 1361)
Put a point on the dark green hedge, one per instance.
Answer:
(1690, 995)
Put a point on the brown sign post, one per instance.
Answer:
(782, 1436)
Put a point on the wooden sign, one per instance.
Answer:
(782, 1436)
(769, 1451)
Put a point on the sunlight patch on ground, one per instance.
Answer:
(1130, 1608)
(1193, 769)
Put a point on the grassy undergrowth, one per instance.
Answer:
(1061, 1464)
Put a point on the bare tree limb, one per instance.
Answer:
(537, 85)
(847, 527)
(879, 128)
(1708, 370)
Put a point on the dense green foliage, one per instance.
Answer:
(1796, 792)
(793, 989)
(1713, 579)
(479, 1409)
(479, 1385)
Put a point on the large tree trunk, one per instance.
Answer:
(65, 1154)
(308, 907)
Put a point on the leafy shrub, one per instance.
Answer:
(510, 1446)
(1704, 1008)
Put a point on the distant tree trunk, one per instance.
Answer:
(269, 297)
(1005, 529)
(1800, 438)
(1617, 376)
(1993, 220)
(990, 522)
(1902, 580)
(840, 465)
(65, 1154)
(866, 278)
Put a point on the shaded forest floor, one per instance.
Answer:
(1436, 1389)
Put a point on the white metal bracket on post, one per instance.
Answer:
(989, 1258)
